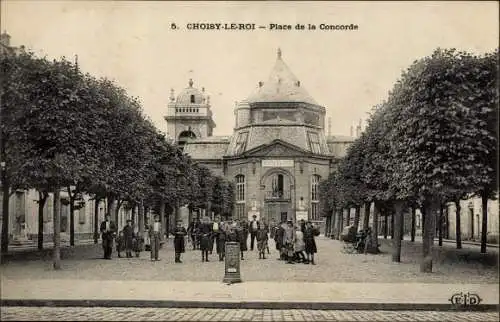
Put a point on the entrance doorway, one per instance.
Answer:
(277, 211)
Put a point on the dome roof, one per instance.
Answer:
(282, 86)
(191, 95)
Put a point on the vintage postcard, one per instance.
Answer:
(249, 160)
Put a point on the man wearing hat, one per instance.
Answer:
(128, 236)
(108, 232)
(253, 227)
(179, 243)
(155, 233)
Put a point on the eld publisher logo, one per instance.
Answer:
(465, 299)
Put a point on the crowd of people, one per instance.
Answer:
(295, 243)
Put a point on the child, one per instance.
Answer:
(120, 243)
(299, 245)
(261, 240)
(138, 244)
(179, 243)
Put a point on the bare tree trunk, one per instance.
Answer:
(392, 224)
(402, 226)
(348, 217)
(96, 220)
(140, 221)
(118, 205)
(341, 222)
(398, 221)
(458, 228)
(162, 218)
(374, 243)
(484, 226)
(357, 214)
(134, 213)
(440, 226)
(429, 215)
(386, 225)
(56, 253)
(413, 219)
(42, 199)
(366, 218)
(5, 212)
(333, 224)
(71, 217)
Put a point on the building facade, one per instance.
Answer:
(278, 152)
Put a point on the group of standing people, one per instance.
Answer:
(129, 240)
(296, 243)
(206, 234)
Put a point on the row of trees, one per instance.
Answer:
(433, 141)
(63, 129)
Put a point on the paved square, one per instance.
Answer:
(450, 266)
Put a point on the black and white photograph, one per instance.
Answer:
(249, 160)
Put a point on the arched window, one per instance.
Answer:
(185, 136)
(240, 187)
(192, 98)
(277, 185)
(240, 197)
(315, 197)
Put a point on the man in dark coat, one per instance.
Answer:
(205, 238)
(179, 243)
(221, 240)
(243, 236)
(253, 226)
(128, 238)
(108, 233)
(278, 238)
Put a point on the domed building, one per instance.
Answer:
(278, 152)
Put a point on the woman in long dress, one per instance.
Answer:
(206, 238)
(310, 244)
(243, 236)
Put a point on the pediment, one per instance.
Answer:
(276, 148)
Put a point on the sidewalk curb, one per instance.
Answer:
(257, 305)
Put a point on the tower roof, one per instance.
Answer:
(282, 86)
(184, 97)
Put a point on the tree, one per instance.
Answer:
(435, 137)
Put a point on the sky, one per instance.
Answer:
(348, 72)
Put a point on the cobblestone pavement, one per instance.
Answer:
(84, 262)
(164, 314)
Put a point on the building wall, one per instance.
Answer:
(23, 220)
(471, 219)
(257, 181)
